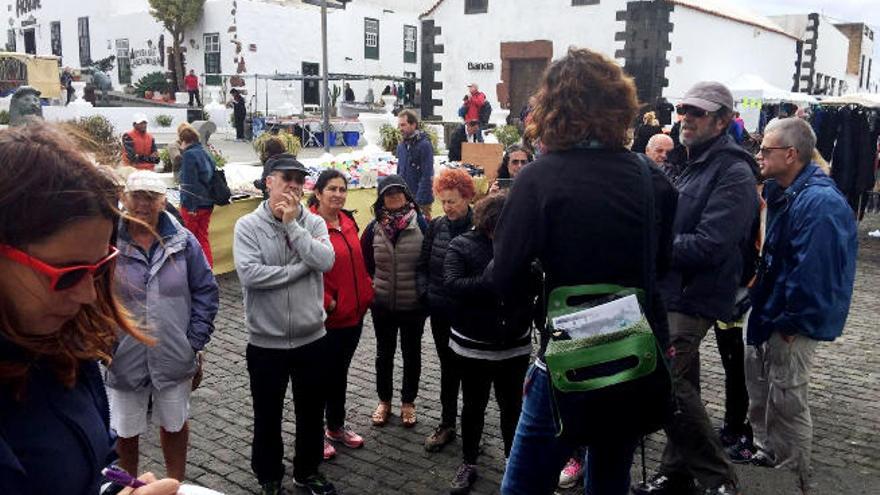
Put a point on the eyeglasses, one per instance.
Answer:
(519, 162)
(692, 111)
(59, 278)
(764, 149)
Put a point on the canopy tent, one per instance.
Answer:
(751, 92)
(39, 71)
(870, 100)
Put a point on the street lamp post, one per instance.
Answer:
(325, 95)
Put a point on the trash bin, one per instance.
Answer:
(351, 138)
(320, 138)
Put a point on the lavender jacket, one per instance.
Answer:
(172, 295)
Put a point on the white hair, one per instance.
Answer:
(655, 140)
(796, 133)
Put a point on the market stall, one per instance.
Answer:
(752, 94)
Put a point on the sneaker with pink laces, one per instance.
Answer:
(329, 451)
(345, 436)
(571, 473)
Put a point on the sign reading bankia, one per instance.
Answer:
(481, 66)
(25, 6)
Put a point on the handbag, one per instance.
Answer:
(613, 383)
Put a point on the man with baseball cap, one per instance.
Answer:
(281, 251)
(717, 209)
(140, 149)
(473, 101)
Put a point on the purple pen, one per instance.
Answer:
(117, 475)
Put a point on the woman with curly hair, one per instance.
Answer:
(455, 189)
(579, 210)
(59, 316)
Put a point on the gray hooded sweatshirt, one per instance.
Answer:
(280, 267)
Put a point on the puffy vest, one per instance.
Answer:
(395, 277)
(143, 145)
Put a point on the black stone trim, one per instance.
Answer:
(646, 46)
(439, 49)
(429, 69)
(438, 66)
(438, 85)
(807, 56)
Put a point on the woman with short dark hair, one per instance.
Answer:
(580, 210)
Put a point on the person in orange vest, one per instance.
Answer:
(140, 147)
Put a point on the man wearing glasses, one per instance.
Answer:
(801, 297)
(281, 251)
(717, 208)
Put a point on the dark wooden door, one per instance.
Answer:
(525, 74)
(311, 87)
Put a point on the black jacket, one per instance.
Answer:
(479, 313)
(429, 271)
(644, 134)
(455, 142)
(580, 212)
(717, 209)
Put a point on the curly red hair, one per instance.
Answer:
(457, 179)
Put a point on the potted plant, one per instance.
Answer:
(164, 120)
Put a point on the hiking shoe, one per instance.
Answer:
(662, 484)
(316, 484)
(763, 459)
(442, 435)
(272, 488)
(346, 436)
(732, 435)
(464, 478)
(742, 452)
(571, 473)
(329, 451)
(725, 489)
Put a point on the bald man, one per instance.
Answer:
(657, 148)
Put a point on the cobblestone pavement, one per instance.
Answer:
(845, 399)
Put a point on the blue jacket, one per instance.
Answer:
(717, 212)
(170, 292)
(808, 269)
(196, 170)
(57, 439)
(415, 163)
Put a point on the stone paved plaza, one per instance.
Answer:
(845, 398)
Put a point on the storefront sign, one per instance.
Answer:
(481, 66)
(145, 56)
(25, 6)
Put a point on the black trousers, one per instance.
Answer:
(194, 94)
(411, 326)
(736, 396)
(239, 127)
(450, 376)
(270, 371)
(341, 344)
(477, 378)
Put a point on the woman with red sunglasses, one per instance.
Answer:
(58, 316)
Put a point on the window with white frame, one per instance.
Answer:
(410, 40)
(212, 58)
(371, 38)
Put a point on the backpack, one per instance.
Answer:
(218, 188)
(485, 113)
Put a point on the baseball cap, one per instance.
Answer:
(145, 180)
(139, 118)
(285, 161)
(708, 95)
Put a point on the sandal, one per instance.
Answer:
(408, 414)
(381, 414)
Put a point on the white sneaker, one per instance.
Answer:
(571, 473)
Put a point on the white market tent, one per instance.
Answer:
(870, 100)
(750, 92)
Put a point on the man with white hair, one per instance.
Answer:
(801, 296)
(657, 149)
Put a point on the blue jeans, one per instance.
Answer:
(538, 454)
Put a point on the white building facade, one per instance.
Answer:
(666, 45)
(233, 37)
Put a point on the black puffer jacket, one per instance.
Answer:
(429, 274)
(479, 314)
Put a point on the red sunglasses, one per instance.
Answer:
(59, 278)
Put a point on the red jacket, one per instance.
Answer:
(474, 103)
(191, 82)
(348, 282)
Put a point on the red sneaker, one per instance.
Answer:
(329, 451)
(347, 437)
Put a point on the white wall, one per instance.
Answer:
(732, 49)
(478, 37)
(831, 50)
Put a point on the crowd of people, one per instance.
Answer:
(101, 273)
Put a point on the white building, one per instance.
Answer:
(860, 63)
(667, 45)
(245, 37)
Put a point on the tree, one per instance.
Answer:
(177, 16)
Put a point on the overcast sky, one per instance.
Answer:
(867, 11)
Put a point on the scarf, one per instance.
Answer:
(393, 222)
